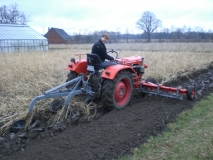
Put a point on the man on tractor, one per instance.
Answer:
(99, 48)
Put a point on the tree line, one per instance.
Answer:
(165, 35)
(149, 24)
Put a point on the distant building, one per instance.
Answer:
(57, 36)
(18, 38)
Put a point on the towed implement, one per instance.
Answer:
(113, 84)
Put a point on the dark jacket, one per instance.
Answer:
(100, 49)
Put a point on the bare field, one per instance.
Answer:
(26, 75)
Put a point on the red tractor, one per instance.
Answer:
(114, 84)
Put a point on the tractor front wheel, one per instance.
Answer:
(117, 93)
(71, 75)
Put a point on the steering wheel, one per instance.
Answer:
(113, 53)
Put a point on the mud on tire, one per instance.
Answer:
(117, 93)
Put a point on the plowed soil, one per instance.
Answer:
(109, 135)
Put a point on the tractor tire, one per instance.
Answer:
(72, 75)
(117, 93)
(190, 93)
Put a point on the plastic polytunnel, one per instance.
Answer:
(18, 38)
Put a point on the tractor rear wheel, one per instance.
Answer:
(117, 93)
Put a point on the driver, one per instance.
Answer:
(99, 48)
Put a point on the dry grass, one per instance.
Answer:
(26, 75)
(156, 47)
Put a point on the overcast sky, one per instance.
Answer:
(83, 16)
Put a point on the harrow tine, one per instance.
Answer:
(73, 93)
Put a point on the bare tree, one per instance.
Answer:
(11, 15)
(148, 23)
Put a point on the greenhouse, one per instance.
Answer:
(19, 38)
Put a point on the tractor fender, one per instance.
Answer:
(111, 71)
(78, 67)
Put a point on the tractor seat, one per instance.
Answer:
(94, 60)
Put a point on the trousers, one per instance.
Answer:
(107, 63)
